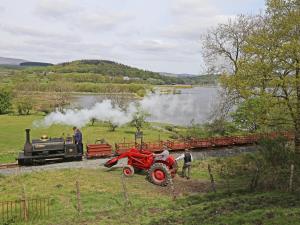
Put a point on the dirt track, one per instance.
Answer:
(98, 163)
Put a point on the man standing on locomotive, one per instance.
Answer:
(78, 139)
(187, 163)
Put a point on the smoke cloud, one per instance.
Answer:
(192, 104)
(103, 111)
(180, 109)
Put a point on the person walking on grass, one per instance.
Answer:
(187, 163)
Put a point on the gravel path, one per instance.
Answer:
(98, 163)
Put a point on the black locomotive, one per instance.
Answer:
(44, 149)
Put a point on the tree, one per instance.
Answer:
(223, 45)
(139, 119)
(222, 50)
(61, 100)
(112, 125)
(251, 114)
(270, 67)
(5, 101)
(24, 105)
(93, 120)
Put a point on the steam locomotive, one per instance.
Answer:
(45, 149)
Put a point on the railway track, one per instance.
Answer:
(8, 165)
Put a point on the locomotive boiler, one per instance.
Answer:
(46, 149)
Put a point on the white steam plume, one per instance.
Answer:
(193, 104)
(103, 111)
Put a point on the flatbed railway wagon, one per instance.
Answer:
(41, 150)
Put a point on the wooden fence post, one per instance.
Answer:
(78, 197)
(291, 178)
(172, 188)
(127, 202)
(24, 203)
(212, 180)
(254, 180)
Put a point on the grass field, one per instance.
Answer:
(12, 134)
(102, 196)
(103, 201)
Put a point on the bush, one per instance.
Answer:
(266, 169)
(169, 128)
(276, 152)
(5, 101)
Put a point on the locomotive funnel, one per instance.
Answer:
(27, 145)
(27, 136)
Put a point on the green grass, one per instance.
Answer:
(12, 134)
(103, 201)
(101, 195)
(101, 190)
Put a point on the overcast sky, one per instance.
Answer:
(158, 35)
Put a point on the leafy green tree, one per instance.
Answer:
(24, 105)
(271, 66)
(5, 101)
(251, 114)
(139, 119)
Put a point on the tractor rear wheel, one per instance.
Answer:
(128, 171)
(159, 174)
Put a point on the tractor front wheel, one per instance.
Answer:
(128, 171)
(159, 174)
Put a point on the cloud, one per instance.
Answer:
(156, 35)
(55, 8)
(26, 31)
(192, 28)
(151, 45)
(2, 9)
(188, 8)
(100, 19)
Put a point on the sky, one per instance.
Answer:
(156, 35)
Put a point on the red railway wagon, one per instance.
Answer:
(178, 145)
(124, 147)
(243, 140)
(222, 141)
(153, 147)
(98, 150)
(149, 146)
(201, 143)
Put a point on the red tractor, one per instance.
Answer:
(159, 171)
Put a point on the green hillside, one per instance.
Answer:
(118, 73)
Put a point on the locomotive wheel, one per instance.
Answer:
(159, 174)
(27, 162)
(21, 162)
(128, 171)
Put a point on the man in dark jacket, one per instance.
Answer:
(187, 164)
(78, 139)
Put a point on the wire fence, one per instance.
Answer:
(24, 210)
